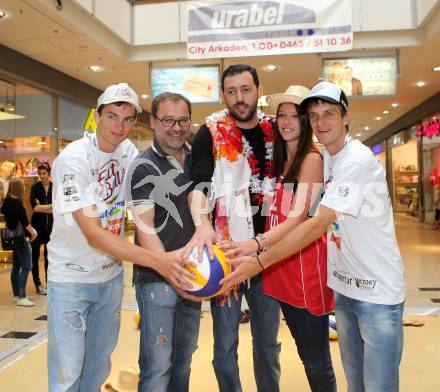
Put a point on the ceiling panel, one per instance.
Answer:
(24, 22)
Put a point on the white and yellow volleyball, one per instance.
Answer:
(208, 273)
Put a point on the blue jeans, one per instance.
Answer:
(169, 332)
(311, 337)
(371, 343)
(21, 265)
(83, 327)
(265, 322)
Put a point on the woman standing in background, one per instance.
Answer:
(42, 220)
(15, 214)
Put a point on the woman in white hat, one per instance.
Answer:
(299, 283)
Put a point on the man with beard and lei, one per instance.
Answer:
(231, 158)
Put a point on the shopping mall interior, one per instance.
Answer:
(56, 58)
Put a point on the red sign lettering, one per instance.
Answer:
(430, 129)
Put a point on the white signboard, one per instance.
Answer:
(256, 28)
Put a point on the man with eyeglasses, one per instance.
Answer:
(160, 180)
(85, 275)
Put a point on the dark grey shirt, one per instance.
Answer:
(158, 179)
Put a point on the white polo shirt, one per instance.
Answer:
(364, 261)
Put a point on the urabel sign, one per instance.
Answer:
(255, 15)
(240, 14)
(255, 28)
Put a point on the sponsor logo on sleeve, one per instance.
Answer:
(343, 190)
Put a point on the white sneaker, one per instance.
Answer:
(41, 290)
(24, 302)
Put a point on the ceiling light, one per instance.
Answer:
(386, 112)
(271, 67)
(436, 69)
(420, 84)
(2, 14)
(367, 128)
(95, 68)
(144, 96)
(1, 141)
(41, 143)
(11, 109)
(378, 118)
(359, 134)
(196, 125)
(394, 104)
(10, 116)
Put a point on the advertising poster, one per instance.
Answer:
(260, 28)
(362, 76)
(200, 84)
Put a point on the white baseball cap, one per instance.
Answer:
(120, 92)
(328, 92)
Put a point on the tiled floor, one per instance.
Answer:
(420, 247)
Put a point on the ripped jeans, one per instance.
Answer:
(83, 327)
(169, 331)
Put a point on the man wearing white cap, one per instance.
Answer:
(86, 247)
(364, 264)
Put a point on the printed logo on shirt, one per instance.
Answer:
(70, 191)
(328, 182)
(343, 190)
(114, 226)
(68, 177)
(350, 280)
(110, 177)
(335, 235)
(343, 276)
(108, 265)
(75, 267)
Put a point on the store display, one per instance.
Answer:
(406, 189)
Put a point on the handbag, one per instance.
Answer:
(13, 238)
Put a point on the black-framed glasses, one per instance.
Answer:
(170, 122)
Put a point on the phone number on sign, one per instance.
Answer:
(302, 43)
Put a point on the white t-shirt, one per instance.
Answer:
(84, 176)
(364, 261)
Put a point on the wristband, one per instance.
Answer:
(258, 243)
(262, 238)
(259, 262)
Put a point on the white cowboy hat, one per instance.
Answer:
(128, 380)
(293, 94)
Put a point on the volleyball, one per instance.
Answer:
(137, 318)
(208, 273)
(332, 330)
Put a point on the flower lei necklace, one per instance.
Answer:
(229, 143)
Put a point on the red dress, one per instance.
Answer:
(301, 279)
